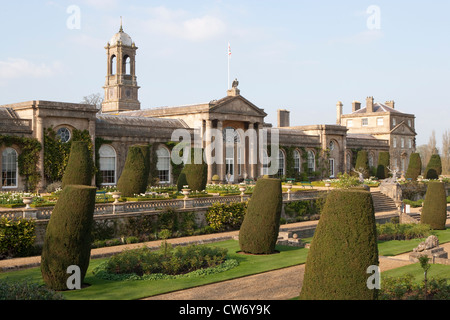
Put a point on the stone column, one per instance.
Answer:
(221, 166)
(207, 147)
(92, 134)
(40, 137)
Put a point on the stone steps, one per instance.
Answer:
(382, 202)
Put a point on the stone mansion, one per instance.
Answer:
(305, 152)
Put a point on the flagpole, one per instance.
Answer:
(229, 54)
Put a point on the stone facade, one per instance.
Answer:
(319, 151)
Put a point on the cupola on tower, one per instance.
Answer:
(121, 89)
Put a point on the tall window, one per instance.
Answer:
(365, 122)
(311, 162)
(296, 161)
(163, 165)
(113, 66)
(107, 165)
(349, 123)
(126, 65)
(380, 122)
(9, 168)
(280, 163)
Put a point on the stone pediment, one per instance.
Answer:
(237, 105)
(403, 128)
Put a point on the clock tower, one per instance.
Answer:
(121, 89)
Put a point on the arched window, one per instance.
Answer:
(281, 171)
(163, 165)
(9, 168)
(107, 165)
(113, 66)
(296, 161)
(311, 161)
(126, 65)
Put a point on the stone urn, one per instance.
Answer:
(242, 189)
(289, 187)
(116, 197)
(186, 192)
(27, 201)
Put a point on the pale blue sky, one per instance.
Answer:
(300, 55)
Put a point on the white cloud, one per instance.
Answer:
(179, 24)
(14, 68)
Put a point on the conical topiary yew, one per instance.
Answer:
(80, 167)
(134, 177)
(434, 167)
(259, 230)
(434, 211)
(414, 167)
(68, 236)
(196, 172)
(383, 164)
(344, 246)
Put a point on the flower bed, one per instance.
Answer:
(167, 262)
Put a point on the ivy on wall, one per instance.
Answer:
(321, 163)
(28, 158)
(56, 153)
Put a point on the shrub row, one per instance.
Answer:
(167, 260)
(396, 231)
(226, 216)
(16, 237)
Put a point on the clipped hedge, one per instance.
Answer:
(16, 237)
(434, 167)
(135, 173)
(80, 167)
(259, 230)
(226, 216)
(343, 247)
(196, 174)
(414, 167)
(434, 211)
(68, 236)
(362, 163)
(383, 164)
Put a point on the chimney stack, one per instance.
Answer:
(356, 105)
(390, 104)
(339, 106)
(369, 104)
(283, 118)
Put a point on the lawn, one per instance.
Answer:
(248, 264)
(126, 290)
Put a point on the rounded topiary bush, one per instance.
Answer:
(259, 230)
(134, 177)
(343, 247)
(414, 167)
(68, 236)
(434, 211)
(80, 167)
(196, 174)
(434, 167)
